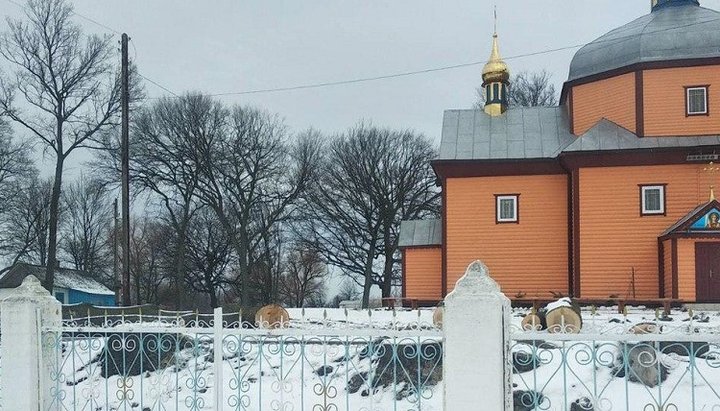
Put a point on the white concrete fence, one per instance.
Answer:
(476, 345)
(591, 368)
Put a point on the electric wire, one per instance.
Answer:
(391, 75)
(105, 26)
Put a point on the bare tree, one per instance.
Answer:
(69, 84)
(25, 233)
(87, 228)
(148, 258)
(266, 266)
(165, 137)
(15, 166)
(303, 280)
(371, 179)
(527, 90)
(252, 176)
(348, 292)
(209, 255)
(406, 190)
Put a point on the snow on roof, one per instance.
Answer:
(78, 282)
(64, 278)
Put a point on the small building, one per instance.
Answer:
(71, 286)
(607, 195)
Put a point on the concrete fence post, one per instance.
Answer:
(26, 358)
(477, 370)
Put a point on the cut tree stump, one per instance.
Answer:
(272, 316)
(564, 319)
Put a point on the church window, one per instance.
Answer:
(496, 92)
(697, 100)
(506, 208)
(652, 198)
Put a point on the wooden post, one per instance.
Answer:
(125, 160)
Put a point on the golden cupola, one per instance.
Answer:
(496, 81)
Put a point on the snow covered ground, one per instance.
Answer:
(308, 369)
(582, 370)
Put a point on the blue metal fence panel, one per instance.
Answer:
(653, 366)
(190, 362)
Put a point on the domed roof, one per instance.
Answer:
(495, 69)
(677, 29)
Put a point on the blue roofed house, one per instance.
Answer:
(71, 286)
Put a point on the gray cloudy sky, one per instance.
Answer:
(222, 46)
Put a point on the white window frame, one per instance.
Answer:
(687, 99)
(498, 208)
(644, 209)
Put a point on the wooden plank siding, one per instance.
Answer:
(686, 269)
(615, 238)
(529, 257)
(668, 268)
(612, 98)
(423, 273)
(664, 101)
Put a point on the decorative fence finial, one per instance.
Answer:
(30, 286)
(476, 281)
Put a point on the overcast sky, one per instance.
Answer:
(223, 46)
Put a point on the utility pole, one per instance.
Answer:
(116, 234)
(125, 149)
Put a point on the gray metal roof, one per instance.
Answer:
(606, 135)
(540, 132)
(416, 233)
(520, 133)
(678, 30)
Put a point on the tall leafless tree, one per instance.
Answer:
(69, 84)
(209, 255)
(303, 280)
(27, 219)
(165, 137)
(148, 259)
(371, 179)
(86, 230)
(251, 176)
(15, 166)
(527, 89)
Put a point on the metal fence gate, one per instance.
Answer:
(186, 361)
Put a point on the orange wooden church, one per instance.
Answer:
(608, 195)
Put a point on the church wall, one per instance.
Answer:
(423, 273)
(612, 98)
(529, 257)
(664, 101)
(615, 238)
(668, 268)
(686, 269)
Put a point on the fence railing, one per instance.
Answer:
(356, 360)
(195, 362)
(651, 366)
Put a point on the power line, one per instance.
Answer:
(84, 17)
(449, 67)
(389, 76)
(392, 75)
(158, 85)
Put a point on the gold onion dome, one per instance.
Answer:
(496, 70)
